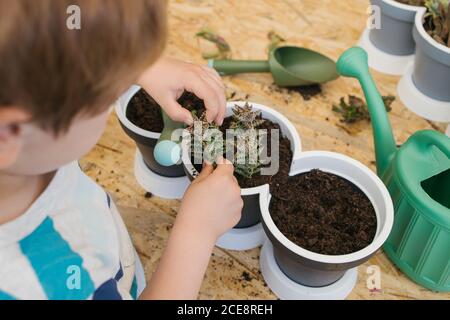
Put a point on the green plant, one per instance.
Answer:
(245, 122)
(437, 20)
(207, 140)
(413, 2)
(356, 110)
(223, 48)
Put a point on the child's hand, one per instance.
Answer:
(211, 206)
(213, 202)
(167, 79)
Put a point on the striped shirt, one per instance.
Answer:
(70, 244)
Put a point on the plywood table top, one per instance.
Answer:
(327, 26)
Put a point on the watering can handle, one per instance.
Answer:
(225, 67)
(433, 138)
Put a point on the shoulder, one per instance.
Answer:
(72, 248)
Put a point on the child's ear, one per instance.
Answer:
(11, 120)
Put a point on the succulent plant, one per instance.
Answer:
(437, 20)
(246, 118)
(206, 139)
(208, 142)
(356, 109)
(248, 148)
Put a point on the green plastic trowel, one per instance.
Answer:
(290, 67)
(167, 150)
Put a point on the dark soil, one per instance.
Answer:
(323, 213)
(145, 112)
(412, 2)
(307, 92)
(285, 157)
(438, 25)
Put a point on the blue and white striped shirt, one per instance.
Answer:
(70, 244)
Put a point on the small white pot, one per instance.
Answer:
(432, 63)
(316, 270)
(425, 87)
(251, 213)
(391, 48)
(145, 140)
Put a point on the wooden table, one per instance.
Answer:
(328, 26)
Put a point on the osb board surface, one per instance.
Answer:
(328, 26)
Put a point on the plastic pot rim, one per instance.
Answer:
(399, 7)
(121, 112)
(435, 49)
(383, 231)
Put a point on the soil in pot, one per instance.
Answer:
(323, 213)
(416, 3)
(285, 153)
(437, 21)
(285, 157)
(144, 112)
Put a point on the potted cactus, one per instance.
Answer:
(432, 64)
(142, 120)
(391, 45)
(238, 140)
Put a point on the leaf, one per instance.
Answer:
(356, 110)
(275, 40)
(223, 48)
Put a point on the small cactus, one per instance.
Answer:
(207, 142)
(248, 150)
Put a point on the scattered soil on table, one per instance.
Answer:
(145, 112)
(246, 276)
(307, 92)
(323, 213)
(148, 195)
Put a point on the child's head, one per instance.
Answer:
(57, 84)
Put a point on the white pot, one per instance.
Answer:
(425, 87)
(317, 270)
(391, 48)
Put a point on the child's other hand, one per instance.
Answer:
(212, 205)
(167, 79)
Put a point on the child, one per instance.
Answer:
(60, 236)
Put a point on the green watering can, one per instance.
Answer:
(290, 66)
(167, 152)
(418, 178)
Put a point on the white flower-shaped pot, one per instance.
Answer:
(318, 270)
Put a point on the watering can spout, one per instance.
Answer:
(354, 63)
